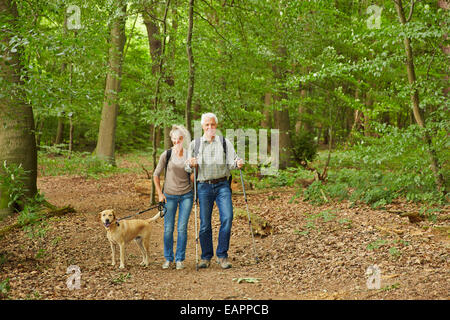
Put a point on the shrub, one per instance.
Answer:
(304, 146)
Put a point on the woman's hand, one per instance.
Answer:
(162, 198)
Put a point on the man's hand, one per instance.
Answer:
(240, 163)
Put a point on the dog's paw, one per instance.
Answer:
(144, 264)
(121, 266)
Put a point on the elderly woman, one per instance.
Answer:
(177, 193)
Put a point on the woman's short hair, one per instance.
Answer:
(182, 131)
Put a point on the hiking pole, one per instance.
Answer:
(249, 220)
(195, 219)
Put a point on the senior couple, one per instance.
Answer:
(213, 170)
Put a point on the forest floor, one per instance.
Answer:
(313, 252)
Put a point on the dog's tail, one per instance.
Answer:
(155, 217)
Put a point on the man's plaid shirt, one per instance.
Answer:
(211, 159)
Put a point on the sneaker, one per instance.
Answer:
(179, 265)
(223, 262)
(166, 265)
(204, 264)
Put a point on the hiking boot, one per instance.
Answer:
(179, 265)
(204, 264)
(223, 262)
(166, 265)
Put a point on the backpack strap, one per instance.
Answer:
(168, 155)
(224, 145)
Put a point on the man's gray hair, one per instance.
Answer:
(208, 115)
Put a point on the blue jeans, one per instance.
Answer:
(184, 202)
(221, 194)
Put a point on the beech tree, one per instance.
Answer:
(17, 139)
(107, 132)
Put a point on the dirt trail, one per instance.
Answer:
(313, 252)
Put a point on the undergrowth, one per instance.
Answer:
(55, 160)
(374, 171)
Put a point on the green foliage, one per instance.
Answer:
(12, 181)
(317, 59)
(378, 170)
(325, 216)
(5, 287)
(80, 163)
(376, 244)
(121, 278)
(304, 146)
(30, 217)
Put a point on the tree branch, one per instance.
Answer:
(214, 27)
(411, 9)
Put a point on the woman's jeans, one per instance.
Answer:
(184, 202)
(221, 194)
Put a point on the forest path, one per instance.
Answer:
(313, 252)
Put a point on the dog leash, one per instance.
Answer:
(161, 207)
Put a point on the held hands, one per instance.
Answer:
(193, 162)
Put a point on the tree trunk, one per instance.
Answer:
(188, 111)
(299, 125)
(60, 129)
(170, 80)
(155, 47)
(369, 105)
(281, 117)
(416, 102)
(17, 138)
(157, 51)
(107, 133)
(266, 122)
(70, 135)
(445, 5)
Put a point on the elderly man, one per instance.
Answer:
(214, 157)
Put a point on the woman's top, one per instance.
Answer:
(177, 181)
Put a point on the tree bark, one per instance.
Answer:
(157, 50)
(107, 132)
(281, 117)
(439, 178)
(266, 122)
(17, 138)
(191, 79)
(445, 5)
(60, 129)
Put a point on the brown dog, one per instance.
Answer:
(125, 231)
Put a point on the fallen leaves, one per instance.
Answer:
(311, 252)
